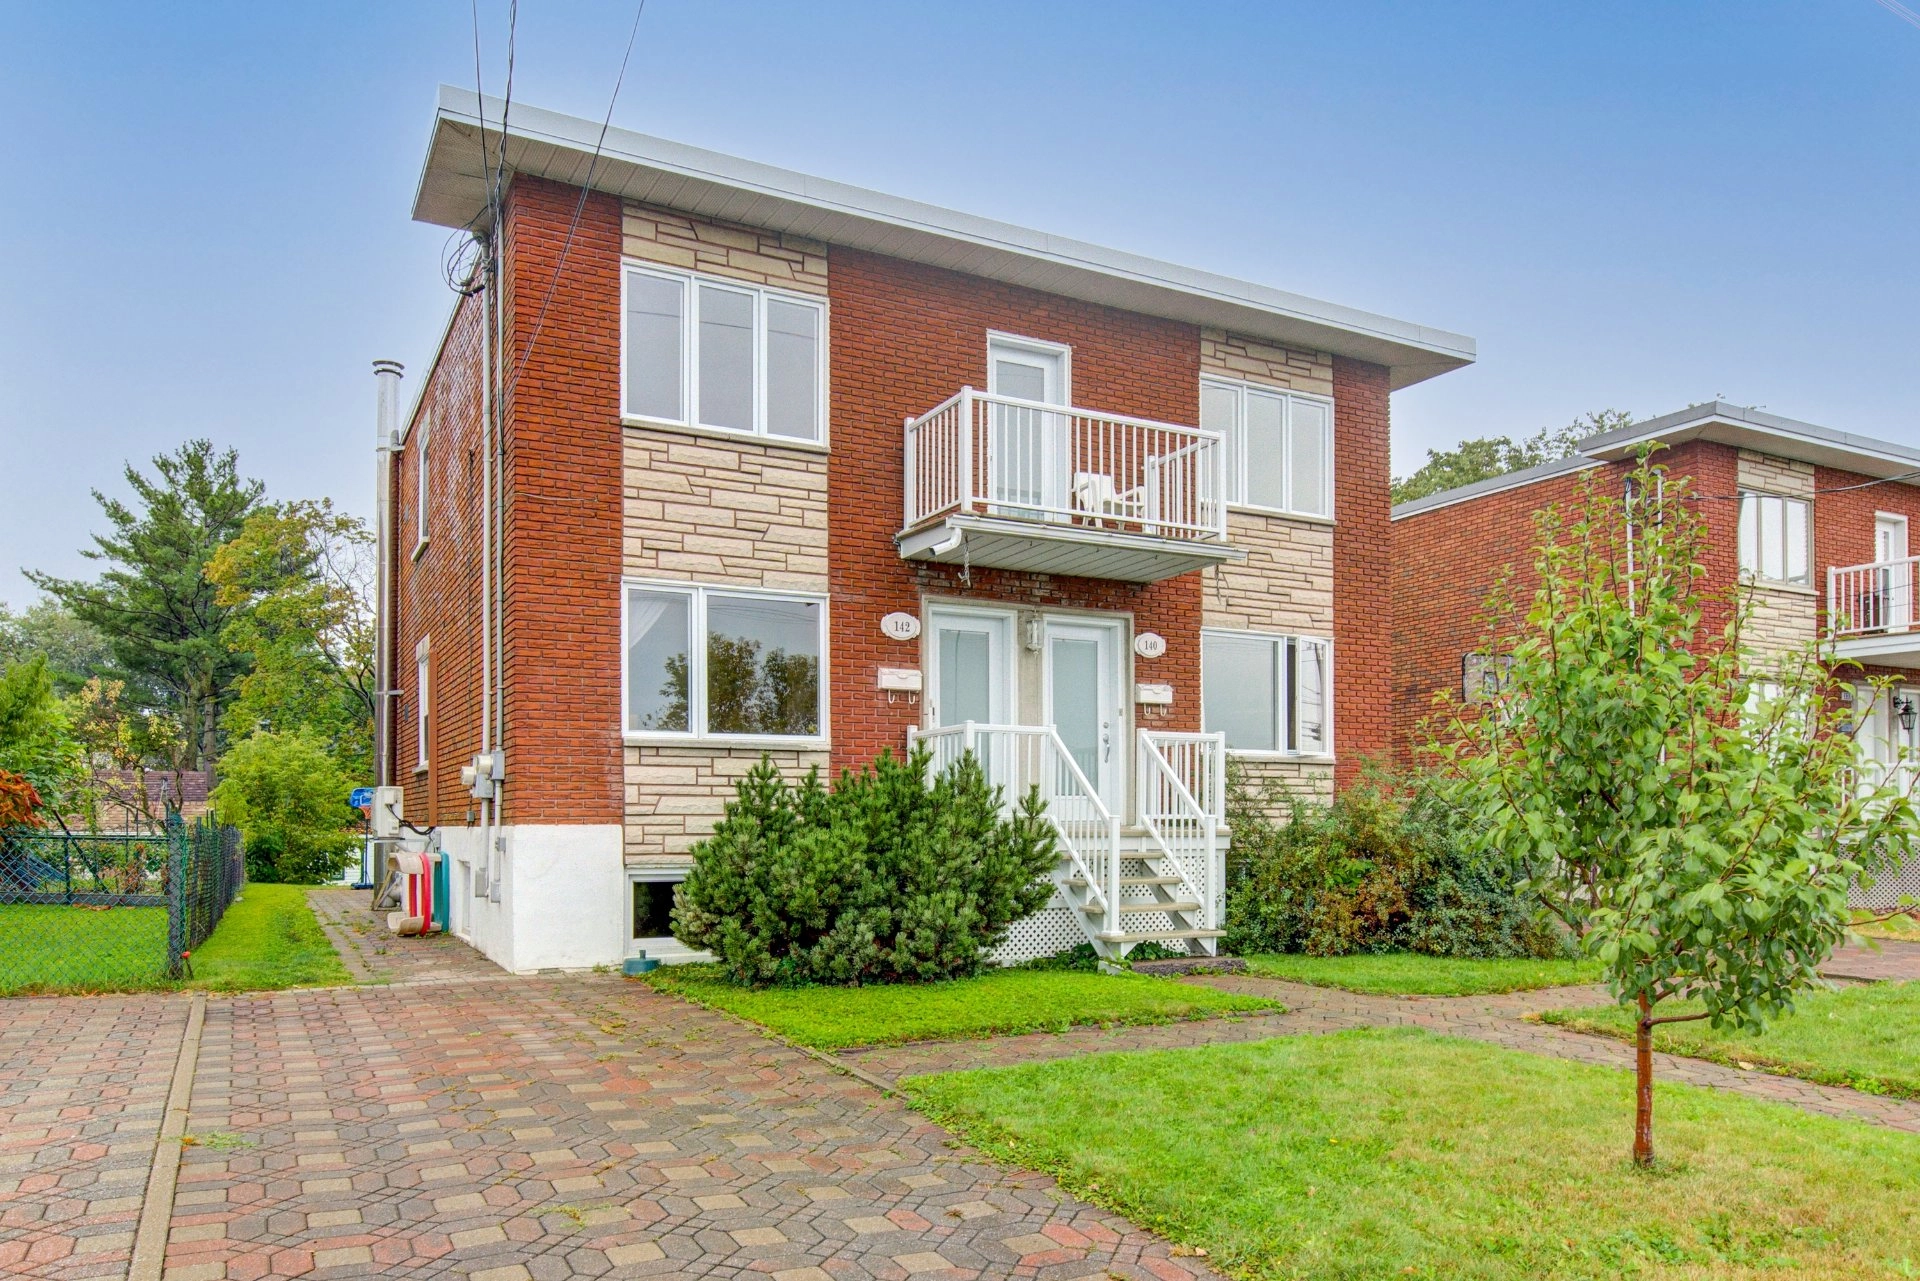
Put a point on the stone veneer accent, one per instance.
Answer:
(1784, 617)
(1286, 582)
(723, 249)
(1250, 359)
(708, 509)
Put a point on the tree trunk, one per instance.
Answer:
(1643, 1083)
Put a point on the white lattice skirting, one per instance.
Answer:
(1895, 888)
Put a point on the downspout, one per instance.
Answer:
(387, 374)
(496, 242)
(483, 873)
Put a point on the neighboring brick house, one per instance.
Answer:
(792, 468)
(1810, 522)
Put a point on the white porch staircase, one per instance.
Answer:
(1159, 881)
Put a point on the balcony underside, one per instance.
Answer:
(1882, 649)
(1040, 547)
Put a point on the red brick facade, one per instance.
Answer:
(1447, 560)
(904, 338)
(1362, 569)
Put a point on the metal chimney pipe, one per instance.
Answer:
(386, 420)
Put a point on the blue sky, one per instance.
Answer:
(205, 211)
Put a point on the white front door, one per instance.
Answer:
(971, 668)
(1026, 448)
(1085, 703)
(1896, 580)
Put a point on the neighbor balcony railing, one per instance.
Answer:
(1867, 599)
(978, 453)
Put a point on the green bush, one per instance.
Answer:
(289, 800)
(1381, 869)
(885, 878)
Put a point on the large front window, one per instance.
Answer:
(1267, 693)
(706, 352)
(755, 671)
(1279, 445)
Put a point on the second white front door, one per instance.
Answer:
(1896, 580)
(1082, 688)
(1026, 448)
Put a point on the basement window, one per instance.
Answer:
(699, 351)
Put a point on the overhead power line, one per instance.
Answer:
(579, 207)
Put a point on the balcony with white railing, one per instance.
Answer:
(995, 481)
(1871, 612)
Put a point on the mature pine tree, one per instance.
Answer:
(153, 600)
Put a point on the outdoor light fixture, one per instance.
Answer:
(1905, 710)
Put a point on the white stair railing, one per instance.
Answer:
(1018, 758)
(1182, 799)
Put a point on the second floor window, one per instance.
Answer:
(715, 353)
(1279, 445)
(1774, 537)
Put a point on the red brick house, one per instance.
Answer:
(1810, 522)
(721, 460)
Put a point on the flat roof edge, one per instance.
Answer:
(1494, 485)
(1420, 351)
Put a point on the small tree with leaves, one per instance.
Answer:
(1686, 809)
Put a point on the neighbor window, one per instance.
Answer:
(1279, 445)
(420, 669)
(1773, 537)
(720, 354)
(420, 480)
(755, 673)
(1267, 693)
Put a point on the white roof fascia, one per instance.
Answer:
(1493, 485)
(635, 166)
(1754, 429)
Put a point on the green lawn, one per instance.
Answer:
(1905, 929)
(997, 1003)
(1867, 1037)
(1396, 1153)
(267, 939)
(80, 949)
(1408, 974)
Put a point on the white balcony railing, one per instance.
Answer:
(979, 453)
(1864, 600)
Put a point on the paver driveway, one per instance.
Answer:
(542, 1127)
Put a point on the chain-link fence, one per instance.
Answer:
(93, 912)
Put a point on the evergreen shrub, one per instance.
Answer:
(888, 877)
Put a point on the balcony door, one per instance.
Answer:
(1026, 446)
(1896, 577)
(1085, 701)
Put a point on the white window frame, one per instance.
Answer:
(422, 487)
(1236, 445)
(1748, 516)
(689, 418)
(696, 733)
(654, 876)
(422, 677)
(1283, 686)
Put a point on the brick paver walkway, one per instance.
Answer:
(584, 1126)
(374, 955)
(1893, 961)
(1499, 1019)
